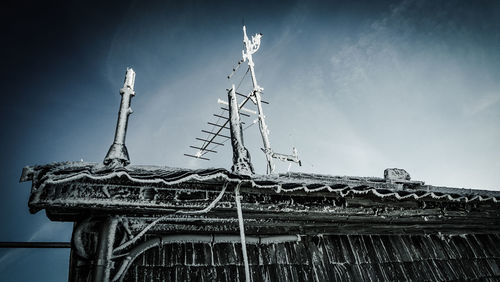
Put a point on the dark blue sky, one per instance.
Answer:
(356, 86)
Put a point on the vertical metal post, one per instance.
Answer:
(241, 157)
(251, 47)
(118, 154)
(105, 251)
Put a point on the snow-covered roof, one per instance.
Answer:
(91, 173)
(163, 200)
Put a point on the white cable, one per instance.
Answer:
(242, 232)
(205, 210)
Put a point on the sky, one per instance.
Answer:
(355, 86)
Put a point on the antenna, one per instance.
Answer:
(241, 156)
(218, 128)
(252, 47)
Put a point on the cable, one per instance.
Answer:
(242, 231)
(239, 84)
(140, 234)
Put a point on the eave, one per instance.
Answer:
(302, 203)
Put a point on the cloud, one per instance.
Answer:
(481, 103)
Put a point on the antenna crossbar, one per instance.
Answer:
(243, 114)
(219, 116)
(221, 126)
(240, 154)
(241, 108)
(212, 133)
(243, 95)
(206, 150)
(226, 118)
(218, 125)
(197, 157)
(205, 145)
(209, 141)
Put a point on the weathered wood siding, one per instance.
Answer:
(328, 258)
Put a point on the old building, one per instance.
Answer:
(170, 224)
(145, 223)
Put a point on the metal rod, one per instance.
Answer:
(221, 127)
(240, 108)
(219, 116)
(243, 95)
(206, 150)
(210, 141)
(251, 47)
(218, 125)
(102, 267)
(188, 155)
(227, 119)
(205, 131)
(213, 137)
(243, 114)
(35, 245)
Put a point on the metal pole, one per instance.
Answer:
(241, 157)
(106, 241)
(36, 245)
(118, 153)
(252, 47)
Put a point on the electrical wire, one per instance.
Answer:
(245, 75)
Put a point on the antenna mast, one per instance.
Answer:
(241, 156)
(252, 47)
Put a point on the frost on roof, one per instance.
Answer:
(91, 173)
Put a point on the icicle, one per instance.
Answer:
(242, 232)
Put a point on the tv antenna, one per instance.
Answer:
(217, 136)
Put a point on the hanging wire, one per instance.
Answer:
(245, 75)
(250, 125)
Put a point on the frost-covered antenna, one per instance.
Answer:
(240, 159)
(251, 47)
(219, 133)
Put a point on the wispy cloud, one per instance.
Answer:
(481, 103)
